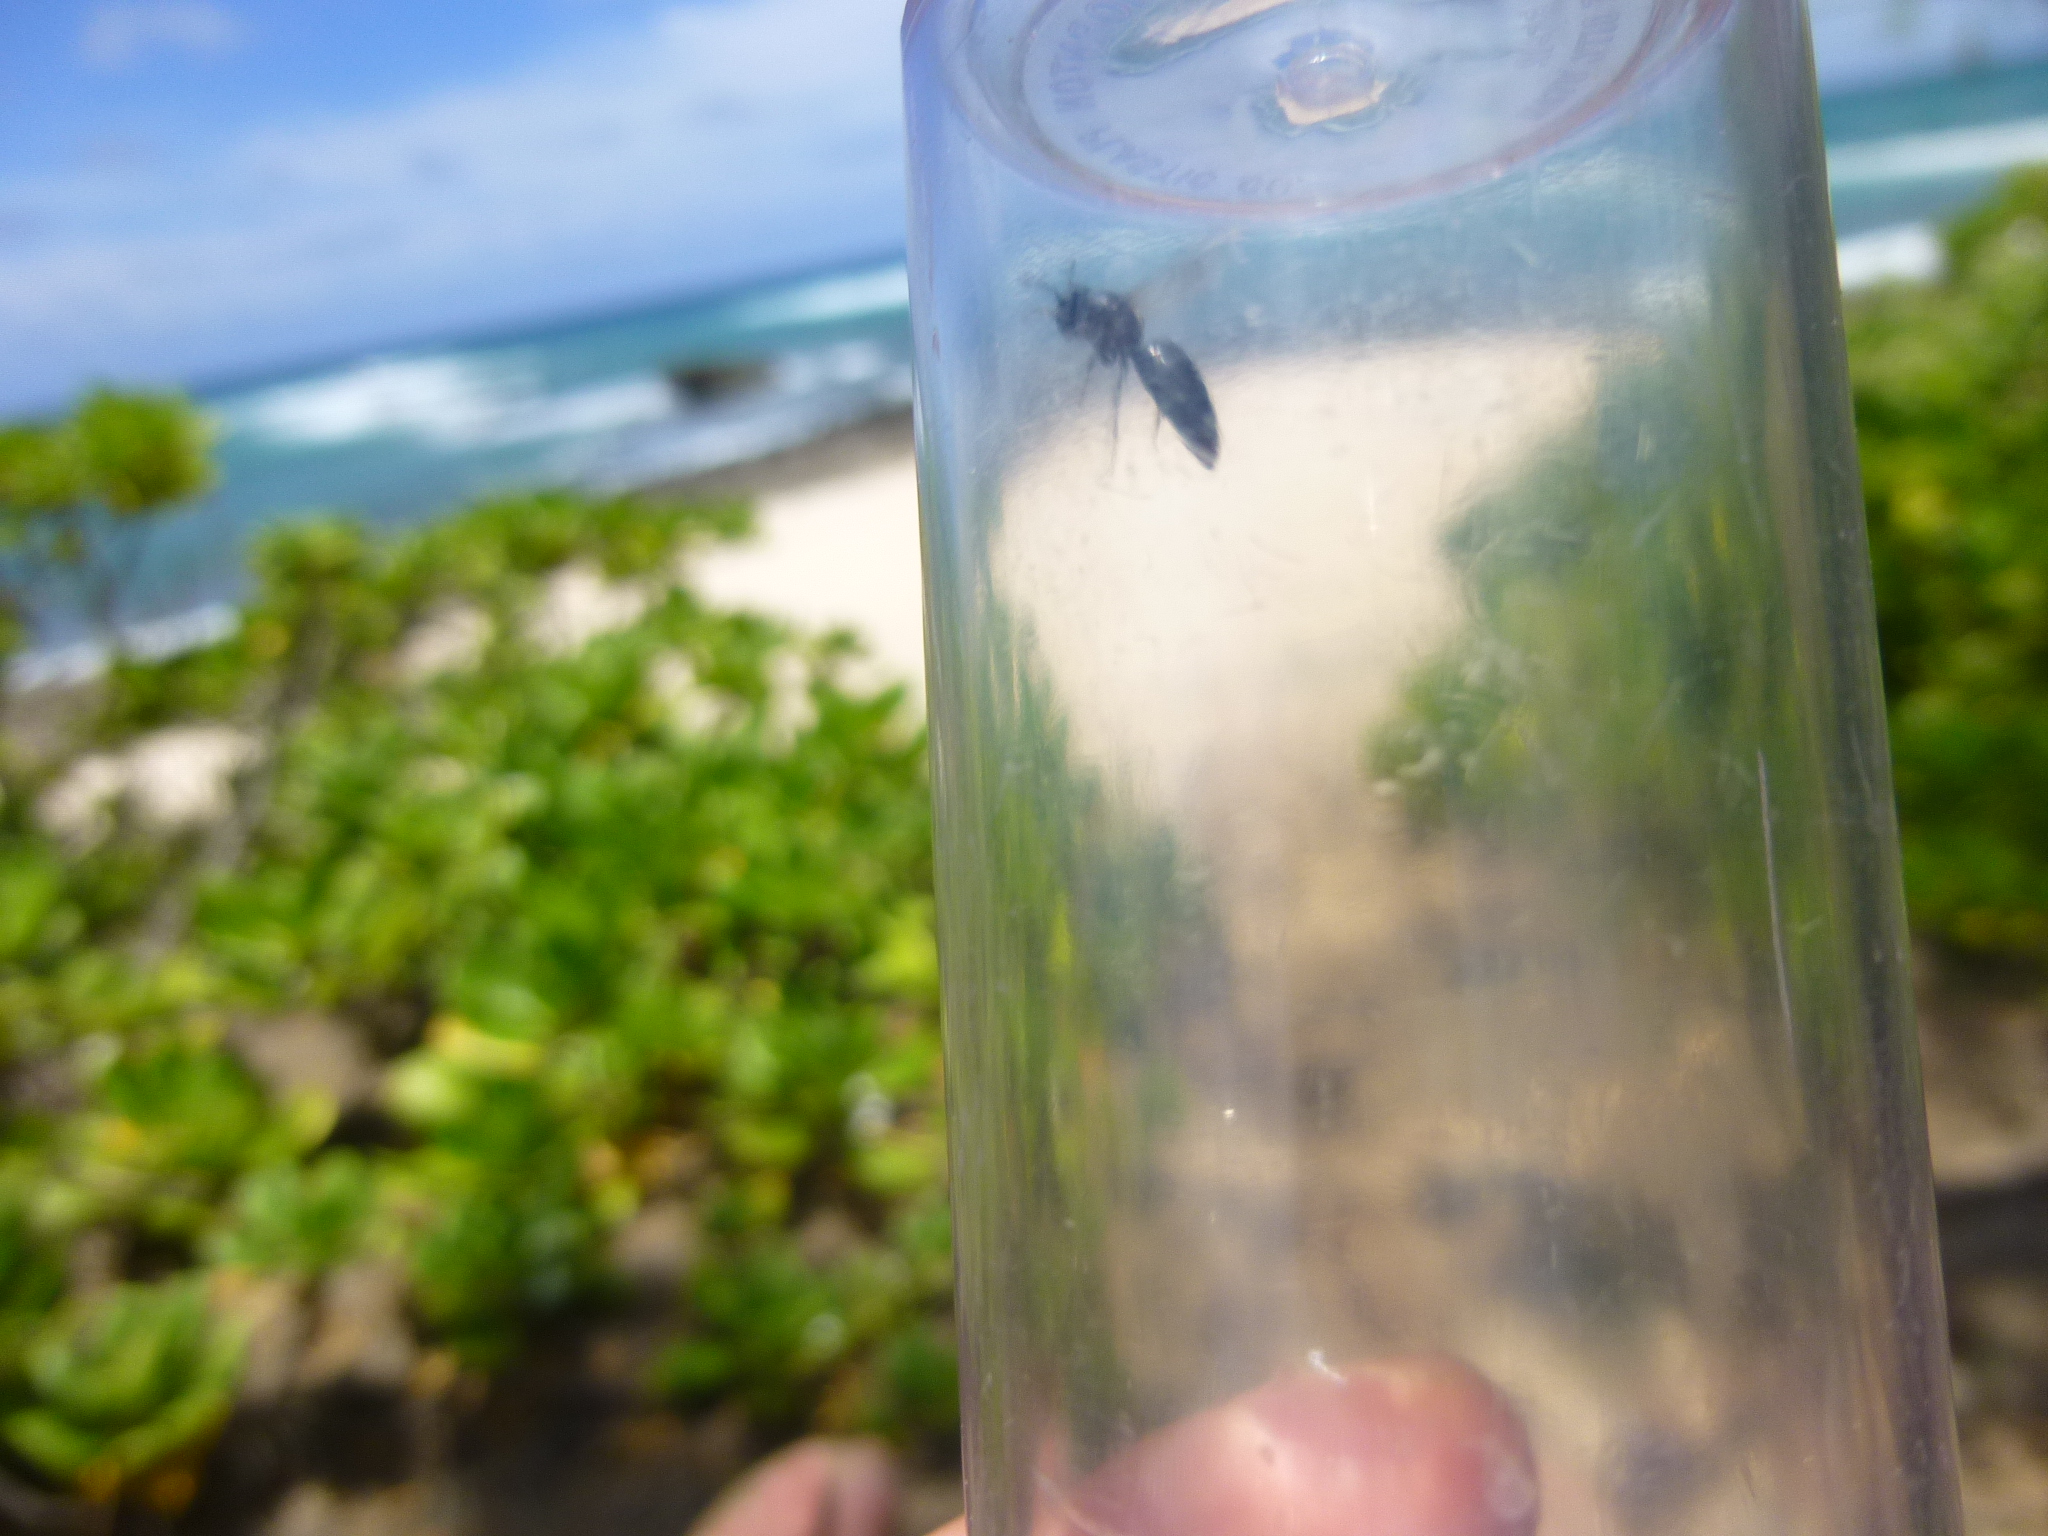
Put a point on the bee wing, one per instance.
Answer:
(1190, 272)
(1155, 274)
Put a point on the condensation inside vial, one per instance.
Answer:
(1416, 865)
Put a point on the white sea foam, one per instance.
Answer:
(629, 402)
(146, 640)
(448, 402)
(848, 363)
(690, 448)
(1899, 252)
(854, 296)
(1978, 150)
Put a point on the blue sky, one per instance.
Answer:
(196, 187)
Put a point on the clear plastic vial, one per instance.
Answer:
(1428, 1032)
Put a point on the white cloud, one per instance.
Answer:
(120, 32)
(637, 163)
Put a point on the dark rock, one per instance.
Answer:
(713, 383)
(363, 1335)
(308, 1052)
(655, 1249)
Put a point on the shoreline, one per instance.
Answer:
(806, 468)
(844, 450)
(835, 545)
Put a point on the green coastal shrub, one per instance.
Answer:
(620, 928)
(116, 1381)
(1951, 383)
(167, 1125)
(298, 1218)
(77, 495)
(1951, 393)
(31, 1280)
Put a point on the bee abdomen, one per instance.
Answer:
(1175, 385)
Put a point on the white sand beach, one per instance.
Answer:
(840, 551)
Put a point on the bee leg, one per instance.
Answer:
(1116, 412)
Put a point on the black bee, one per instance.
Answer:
(1108, 323)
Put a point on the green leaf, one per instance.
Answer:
(137, 452)
(40, 472)
(299, 1218)
(120, 1379)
